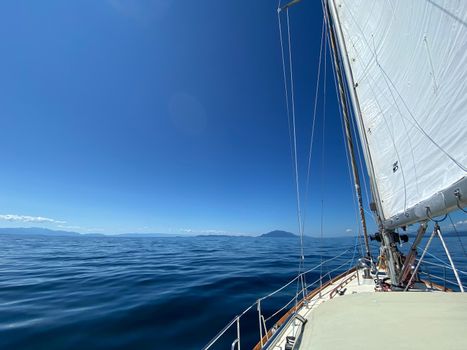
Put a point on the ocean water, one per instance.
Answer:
(152, 293)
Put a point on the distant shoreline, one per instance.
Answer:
(277, 234)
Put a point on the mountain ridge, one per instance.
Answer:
(278, 234)
(40, 231)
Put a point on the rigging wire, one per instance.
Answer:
(458, 200)
(297, 183)
(293, 140)
(352, 180)
(459, 206)
(354, 253)
(415, 121)
(359, 233)
(368, 77)
(442, 263)
(359, 156)
(391, 135)
(323, 144)
(301, 208)
(292, 98)
(307, 182)
(419, 127)
(284, 72)
(361, 167)
(391, 86)
(457, 234)
(437, 221)
(291, 116)
(362, 170)
(310, 152)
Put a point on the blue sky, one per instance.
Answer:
(161, 116)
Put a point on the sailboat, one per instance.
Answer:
(400, 69)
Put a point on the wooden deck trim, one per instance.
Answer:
(309, 296)
(436, 286)
(341, 285)
(315, 291)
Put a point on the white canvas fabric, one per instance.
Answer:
(409, 65)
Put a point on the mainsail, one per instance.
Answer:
(401, 67)
(405, 66)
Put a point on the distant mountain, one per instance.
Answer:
(210, 236)
(279, 234)
(35, 231)
(154, 235)
(39, 231)
(220, 236)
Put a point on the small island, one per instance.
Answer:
(279, 234)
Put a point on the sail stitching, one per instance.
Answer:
(372, 88)
(419, 127)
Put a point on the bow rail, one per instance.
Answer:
(262, 320)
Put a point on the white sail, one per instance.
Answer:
(408, 65)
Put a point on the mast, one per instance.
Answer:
(348, 132)
(356, 109)
(408, 124)
(393, 60)
(387, 242)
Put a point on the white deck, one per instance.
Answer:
(394, 320)
(358, 319)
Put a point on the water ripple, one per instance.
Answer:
(144, 293)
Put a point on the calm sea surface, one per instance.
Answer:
(150, 293)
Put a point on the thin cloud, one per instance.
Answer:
(30, 219)
(348, 230)
(81, 228)
(94, 229)
(70, 227)
(190, 230)
(212, 232)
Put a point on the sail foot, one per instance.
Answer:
(443, 202)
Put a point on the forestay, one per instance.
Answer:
(408, 67)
